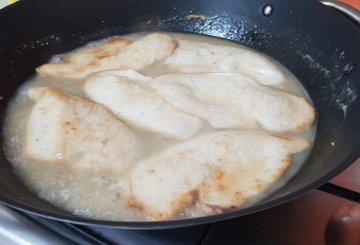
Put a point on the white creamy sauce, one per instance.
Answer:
(94, 192)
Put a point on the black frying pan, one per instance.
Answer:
(318, 44)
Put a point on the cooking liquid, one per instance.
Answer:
(95, 192)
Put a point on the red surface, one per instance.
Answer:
(350, 177)
(354, 3)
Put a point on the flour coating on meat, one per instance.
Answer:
(231, 100)
(64, 128)
(119, 54)
(128, 96)
(198, 57)
(220, 170)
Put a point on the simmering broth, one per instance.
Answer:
(95, 192)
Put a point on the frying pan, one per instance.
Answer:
(319, 45)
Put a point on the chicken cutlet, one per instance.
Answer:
(128, 96)
(119, 54)
(199, 57)
(231, 100)
(220, 169)
(66, 128)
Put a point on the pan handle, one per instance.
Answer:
(340, 192)
(344, 8)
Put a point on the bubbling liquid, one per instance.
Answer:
(96, 193)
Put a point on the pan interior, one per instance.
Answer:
(78, 190)
(313, 42)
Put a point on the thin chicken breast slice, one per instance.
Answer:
(68, 129)
(84, 56)
(231, 100)
(221, 170)
(127, 95)
(198, 57)
(107, 56)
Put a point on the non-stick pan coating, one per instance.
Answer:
(319, 45)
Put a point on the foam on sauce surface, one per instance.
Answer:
(94, 192)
